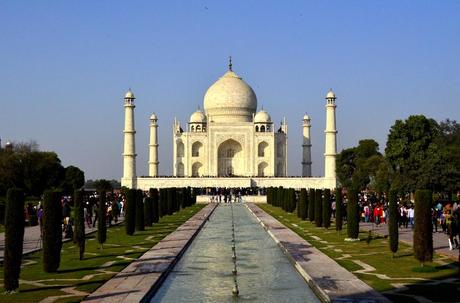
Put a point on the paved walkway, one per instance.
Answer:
(32, 241)
(143, 276)
(406, 235)
(330, 281)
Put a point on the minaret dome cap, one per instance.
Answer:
(129, 94)
(153, 117)
(330, 95)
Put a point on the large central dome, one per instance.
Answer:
(230, 99)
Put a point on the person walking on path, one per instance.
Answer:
(410, 214)
(452, 231)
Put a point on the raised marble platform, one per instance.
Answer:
(145, 183)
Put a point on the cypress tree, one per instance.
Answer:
(327, 208)
(318, 208)
(269, 195)
(423, 237)
(130, 211)
(338, 209)
(52, 230)
(311, 204)
(14, 237)
(140, 210)
(352, 215)
(302, 209)
(155, 206)
(148, 211)
(79, 234)
(393, 231)
(280, 197)
(285, 199)
(293, 200)
(169, 205)
(101, 222)
(162, 202)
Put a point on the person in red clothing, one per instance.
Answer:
(377, 214)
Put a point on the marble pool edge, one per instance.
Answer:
(139, 281)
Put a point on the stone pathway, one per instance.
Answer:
(146, 274)
(330, 281)
(32, 241)
(406, 235)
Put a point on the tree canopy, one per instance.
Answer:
(418, 154)
(24, 166)
(358, 166)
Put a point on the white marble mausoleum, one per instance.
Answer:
(229, 144)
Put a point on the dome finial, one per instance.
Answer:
(230, 63)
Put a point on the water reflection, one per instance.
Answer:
(204, 274)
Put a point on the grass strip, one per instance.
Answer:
(98, 266)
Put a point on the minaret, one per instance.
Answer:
(153, 146)
(306, 147)
(129, 148)
(330, 150)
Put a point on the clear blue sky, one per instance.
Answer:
(65, 66)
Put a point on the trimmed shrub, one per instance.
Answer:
(338, 209)
(140, 210)
(393, 231)
(311, 204)
(327, 208)
(130, 211)
(102, 221)
(423, 237)
(79, 234)
(318, 208)
(14, 238)
(302, 209)
(155, 206)
(52, 230)
(352, 215)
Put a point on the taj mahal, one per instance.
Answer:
(229, 144)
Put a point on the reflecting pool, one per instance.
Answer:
(204, 273)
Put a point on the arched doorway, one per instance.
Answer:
(197, 169)
(230, 159)
(262, 169)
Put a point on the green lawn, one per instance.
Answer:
(97, 267)
(439, 283)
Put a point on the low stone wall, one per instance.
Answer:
(246, 199)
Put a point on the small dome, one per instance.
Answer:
(230, 99)
(262, 117)
(153, 117)
(198, 117)
(330, 94)
(129, 94)
(306, 117)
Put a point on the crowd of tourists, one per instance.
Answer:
(114, 209)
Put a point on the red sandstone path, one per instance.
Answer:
(406, 235)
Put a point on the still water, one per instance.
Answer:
(204, 274)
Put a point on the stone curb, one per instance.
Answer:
(139, 281)
(327, 291)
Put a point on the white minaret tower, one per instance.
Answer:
(129, 148)
(330, 150)
(306, 147)
(153, 146)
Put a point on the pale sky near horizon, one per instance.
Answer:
(65, 66)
